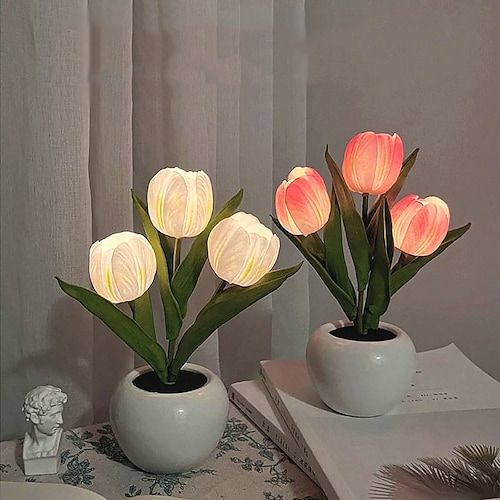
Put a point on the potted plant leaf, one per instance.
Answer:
(169, 416)
(362, 366)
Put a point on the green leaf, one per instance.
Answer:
(388, 233)
(186, 276)
(173, 320)
(166, 242)
(315, 245)
(405, 273)
(378, 295)
(224, 306)
(334, 249)
(123, 326)
(143, 314)
(345, 302)
(393, 192)
(353, 224)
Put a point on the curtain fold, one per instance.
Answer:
(46, 227)
(96, 98)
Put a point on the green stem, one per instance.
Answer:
(219, 288)
(358, 322)
(365, 209)
(177, 254)
(176, 260)
(404, 259)
(170, 357)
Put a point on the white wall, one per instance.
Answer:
(429, 71)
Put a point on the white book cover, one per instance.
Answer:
(253, 399)
(452, 402)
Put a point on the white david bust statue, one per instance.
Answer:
(43, 407)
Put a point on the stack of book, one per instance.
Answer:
(451, 403)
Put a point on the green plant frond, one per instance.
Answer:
(472, 473)
(478, 454)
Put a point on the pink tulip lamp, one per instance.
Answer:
(362, 366)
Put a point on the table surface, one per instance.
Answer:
(245, 465)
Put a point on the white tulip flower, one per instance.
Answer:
(122, 266)
(241, 250)
(180, 203)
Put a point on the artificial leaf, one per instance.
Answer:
(123, 326)
(314, 244)
(334, 250)
(346, 303)
(353, 224)
(378, 294)
(221, 308)
(389, 239)
(166, 242)
(402, 275)
(143, 314)
(393, 192)
(173, 320)
(186, 276)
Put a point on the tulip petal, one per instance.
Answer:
(419, 225)
(372, 162)
(122, 266)
(282, 211)
(241, 249)
(180, 203)
(308, 203)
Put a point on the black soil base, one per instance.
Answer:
(186, 381)
(350, 333)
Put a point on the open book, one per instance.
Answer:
(452, 402)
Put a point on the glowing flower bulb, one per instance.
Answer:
(419, 225)
(372, 162)
(122, 266)
(241, 250)
(180, 203)
(302, 202)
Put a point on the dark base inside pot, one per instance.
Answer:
(350, 333)
(186, 381)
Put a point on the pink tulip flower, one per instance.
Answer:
(302, 202)
(372, 162)
(419, 225)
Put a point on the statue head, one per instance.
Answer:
(43, 407)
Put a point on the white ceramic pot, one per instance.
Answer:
(166, 433)
(360, 378)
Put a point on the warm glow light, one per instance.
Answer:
(241, 250)
(372, 162)
(122, 266)
(302, 202)
(180, 203)
(419, 225)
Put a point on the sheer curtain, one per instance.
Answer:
(96, 97)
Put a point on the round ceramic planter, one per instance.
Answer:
(167, 433)
(360, 378)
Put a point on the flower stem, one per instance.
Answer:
(171, 352)
(177, 254)
(219, 288)
(358, 322)
(171, 343)
(365, 209)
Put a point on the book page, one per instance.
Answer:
(446, 380)
(452, 402)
